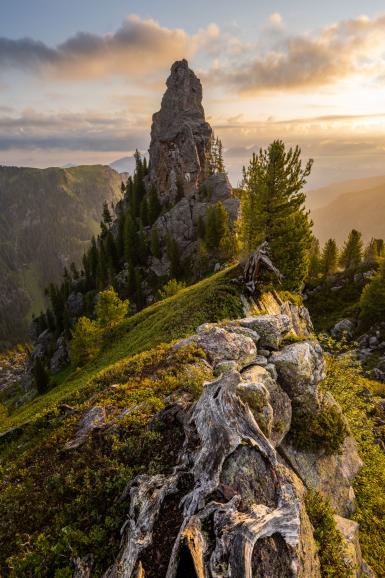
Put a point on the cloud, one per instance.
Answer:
(275, 21)
(138, 47)
(348, 48)
(87, 132)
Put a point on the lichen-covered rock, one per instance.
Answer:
(277, 399)
(300, 368)
(331, 475)
(270, 328)
(221, 345)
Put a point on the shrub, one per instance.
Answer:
(324, 430)
(86, 339)
(329, 540)
(171, 288)
(110, 309)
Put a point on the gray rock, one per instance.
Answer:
(331, 475)
(74, 305)
(180, 137)
(93, 419)
(270, 328)
(221, 345)
(60, 358)
(345, 327)
(270, 367)
(300, 368)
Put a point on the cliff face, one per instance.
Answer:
(47, 219)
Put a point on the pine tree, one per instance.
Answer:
(372, 301)
(106, 215)
(272, 209)
(154, 206)
(315, 259)
(155, 245)
(129, 235)
(374, 251)
(329, 258)
(40, 375)
(173, 254)
(351, 255)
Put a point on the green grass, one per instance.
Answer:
(345, 382)
(56, 503)
(212, 299)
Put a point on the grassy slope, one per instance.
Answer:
(212, 299)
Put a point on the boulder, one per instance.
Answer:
(343, 328)
(221, 346)
(332, 475)
(270, 328)
(300, 368)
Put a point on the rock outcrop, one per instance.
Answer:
(180, 137)
(180, 167)
(234, 504)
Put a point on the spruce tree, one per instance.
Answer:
(272, 209)
(173, 254)
(107, 217)
(40, 376)
(154, 206)
(155, 245)
(329, 258)
(351, 256)
(315, 259)
(374, 251)
(372, 301)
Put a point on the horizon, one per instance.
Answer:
(81, 87)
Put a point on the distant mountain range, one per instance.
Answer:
(340, 207)
(47, 218)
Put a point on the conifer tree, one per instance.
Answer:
(372, 301)
(129, 235)
(351, 255)
(86, 340)
(173, 254)
(374, 251)
(107, 217)
(329, 258)
(273, 210)
(40, 375)
(154, 206)
(155, 245)
(315, 258)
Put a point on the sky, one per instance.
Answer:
(80, 80)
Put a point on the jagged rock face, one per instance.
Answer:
(180, 136)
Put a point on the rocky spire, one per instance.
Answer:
(180, 136)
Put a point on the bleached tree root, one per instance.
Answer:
(229, 509)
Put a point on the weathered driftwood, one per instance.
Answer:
(256, 263)
(240, 509)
